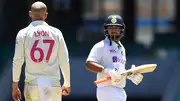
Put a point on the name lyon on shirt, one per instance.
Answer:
(41, 33)
(116, 59)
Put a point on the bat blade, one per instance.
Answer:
(146, 68)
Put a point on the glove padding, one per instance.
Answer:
(115, 75)
(135, 78)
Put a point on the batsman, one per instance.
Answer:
(108, 58)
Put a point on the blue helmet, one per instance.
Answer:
(117, 21)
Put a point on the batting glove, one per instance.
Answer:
(115, 75)
(135, 78)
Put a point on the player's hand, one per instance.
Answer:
(66, 90)
(16, 93)
(135, 78)
(116, 76)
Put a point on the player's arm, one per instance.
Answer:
(63, 56)
(93, 60)
(94, 67)
(18, 58)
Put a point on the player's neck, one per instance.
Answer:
(37, 19)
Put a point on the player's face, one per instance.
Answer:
(114, 30)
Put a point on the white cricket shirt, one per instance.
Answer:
(44, 49)
(109, 56)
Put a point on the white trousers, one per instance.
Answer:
(32, 93)
(110, 93)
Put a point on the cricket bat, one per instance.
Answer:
(146, 68)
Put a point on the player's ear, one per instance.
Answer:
(45, 16)
(30, 14)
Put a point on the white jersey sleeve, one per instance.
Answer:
(63, 58)
(18, 59)
(95, 54)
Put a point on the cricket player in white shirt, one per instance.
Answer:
(44, 51)
(108, 58)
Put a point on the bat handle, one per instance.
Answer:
(102, 80)
(109, 78)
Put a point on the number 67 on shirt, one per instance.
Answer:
(40, 50)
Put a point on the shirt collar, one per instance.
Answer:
(38, 22)
(114, 44)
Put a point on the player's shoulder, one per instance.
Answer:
(122, 46)
(55, 30)
(23, 31)
(99, 45)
